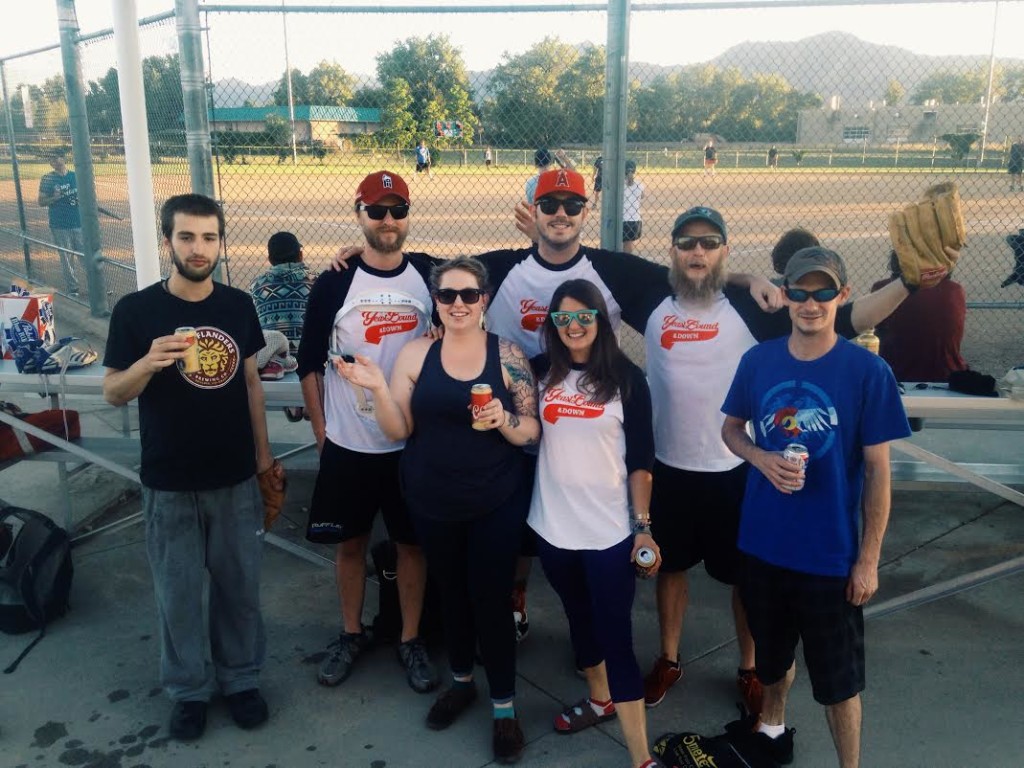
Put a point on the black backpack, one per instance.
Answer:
(35, 573)
(691, 750)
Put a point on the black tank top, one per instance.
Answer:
(451, 471)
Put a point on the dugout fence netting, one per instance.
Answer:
(829, 133)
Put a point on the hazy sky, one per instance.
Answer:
(249, 46)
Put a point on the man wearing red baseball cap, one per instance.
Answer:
(373, 308)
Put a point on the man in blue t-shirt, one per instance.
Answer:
(58, 193)
(806, 575)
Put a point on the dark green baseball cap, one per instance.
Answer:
(701, 213)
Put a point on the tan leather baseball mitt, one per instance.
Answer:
(273, 484)
(922, 232)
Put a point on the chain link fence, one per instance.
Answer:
(829, 133)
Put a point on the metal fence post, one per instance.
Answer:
(193, 92)
(78, 121)
(615, 107)
(16, 173)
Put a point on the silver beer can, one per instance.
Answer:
(796, 454)
(644, 558)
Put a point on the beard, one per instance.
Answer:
(376, 242)
(697, 290)
(193, 275)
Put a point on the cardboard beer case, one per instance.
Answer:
(24, 311)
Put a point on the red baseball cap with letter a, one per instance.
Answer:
(560, 180)
(379, 185)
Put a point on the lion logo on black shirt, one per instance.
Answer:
(219, 359)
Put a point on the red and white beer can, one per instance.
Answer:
(479, 396)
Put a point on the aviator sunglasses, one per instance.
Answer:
(821, 295)
(707, 242)
(378, 212)
(582, 316)
(448, 295)
(549, 206)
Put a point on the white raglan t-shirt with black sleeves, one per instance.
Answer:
(523, 283)
(693, 350)
(587, 452)
(363, 311)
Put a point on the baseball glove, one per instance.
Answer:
(922, 231)
(273, 484)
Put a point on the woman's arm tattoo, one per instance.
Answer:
(522, 385)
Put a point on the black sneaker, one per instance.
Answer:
(188, 720)
(745, 737)
(421, 674)
(341, 655)
(449, 705)
(248, 708)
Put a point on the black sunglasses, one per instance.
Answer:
(448, 295)
(821, 295)
(378, 212)
(707, 242)
(549, 205)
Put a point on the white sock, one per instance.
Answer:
(771, 731)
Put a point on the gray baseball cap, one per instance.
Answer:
(817, 258)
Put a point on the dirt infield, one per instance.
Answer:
(470, 212)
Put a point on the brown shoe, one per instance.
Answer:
(508, 740)
(750, 689)
(449, 705)
(662, 677)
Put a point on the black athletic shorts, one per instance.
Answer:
(696, 516)
(784, 606)
(632, 230)
(350, 488)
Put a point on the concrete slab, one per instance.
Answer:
(88, 695)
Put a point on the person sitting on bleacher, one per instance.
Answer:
(281, 293)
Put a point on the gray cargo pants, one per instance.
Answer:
(190, 534)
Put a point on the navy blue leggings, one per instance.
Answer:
(596, 588)
(473, 564)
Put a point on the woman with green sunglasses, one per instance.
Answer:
(595, 460)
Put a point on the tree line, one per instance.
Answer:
(551, 94)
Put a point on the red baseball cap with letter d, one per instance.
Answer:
(560, 180)
(379, 185)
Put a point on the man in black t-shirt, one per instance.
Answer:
(200, 495)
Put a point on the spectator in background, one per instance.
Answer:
(422, 158)
(542, 161)
(58, 193)
(488, 157)
(773, 157)
(921, 339)
(1015, 166)
(632, 196)
(710, 157)
(790, 242)
(281, 293)
(598, 168)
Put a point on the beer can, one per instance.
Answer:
(868, 340)
(796, 454)
(479, 396)
(644, 559)
(190, 362)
